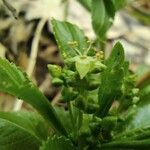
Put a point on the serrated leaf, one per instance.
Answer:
(32, 122)
(137, 128)
(69, 37)
(15, 137)
(15, 82)
(116, 57)
(58, 143)
(111, 80)
(137, 134)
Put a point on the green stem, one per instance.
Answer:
(80, 118)
(121, 104)
(102, 44)
(72, 119)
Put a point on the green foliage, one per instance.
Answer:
(105, 110)
(110, 8)
(111, 80)
(54, 70)
(29, 121)
(141, 118)
(98, 7)
(21, 131)
(69, 38)
(86, 4)
(83, 65)
(57, 143)
(103, 12)
(15, 82)
(119, 4)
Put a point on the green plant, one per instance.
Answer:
(104, 106)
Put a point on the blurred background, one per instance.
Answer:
(27, 40)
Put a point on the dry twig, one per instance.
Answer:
(11, 9)
(33, 56)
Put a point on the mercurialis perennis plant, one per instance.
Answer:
(105, 110)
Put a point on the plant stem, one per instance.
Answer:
(102, 44)
(72, 119)
(34, 46)
(80, 118)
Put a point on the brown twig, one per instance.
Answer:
(56, 98)
(143, 79)
(11, 9)
(45, 84)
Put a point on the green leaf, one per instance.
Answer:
(15, 137)
(86, 4)
(32, 122)
(137, 132)
(98, 15)
(116, 59)
(103, 12)
(111, 80)
(119, 4)
(64, 116)
(110, 8)
(106, 25)
(58, 143)
(141, 118)
(145, 94)
(15, 82)
(126, 145)
(70, 38)
(137, 124)
(83, 65)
